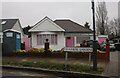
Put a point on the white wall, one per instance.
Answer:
(60, 40)
(17, 27)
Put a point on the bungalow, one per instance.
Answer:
(11, 28)
(60, 33)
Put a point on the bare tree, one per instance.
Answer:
(115, 26)
(87, 25)
(101, 18)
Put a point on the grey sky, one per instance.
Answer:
(30, 13)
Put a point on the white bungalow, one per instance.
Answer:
(60, 33)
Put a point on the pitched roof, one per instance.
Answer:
(8, 24)
(46, 24)
(71, 26)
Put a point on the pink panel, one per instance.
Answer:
(69, 41)
(27, 42)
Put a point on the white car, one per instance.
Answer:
(112, 45)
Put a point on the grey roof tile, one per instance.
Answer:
(9, 23)
(71, 26)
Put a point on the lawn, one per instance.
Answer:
(77, 65)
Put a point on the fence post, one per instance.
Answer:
(66, 59)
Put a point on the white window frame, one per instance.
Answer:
(1, 37)
(47, 36)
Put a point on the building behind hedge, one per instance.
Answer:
(11, 35)
(60, 33)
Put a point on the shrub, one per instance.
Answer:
(50, 50)
(62, 50)
(21, 51)
(33, 50)
(41, 50)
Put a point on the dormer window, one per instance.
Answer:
(3, 22)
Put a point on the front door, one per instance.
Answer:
(18, 42)
(69, 41)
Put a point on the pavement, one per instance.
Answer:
(44, 73)
(13, 73)
(112, 69)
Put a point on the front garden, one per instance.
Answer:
(54, 66)
(38, 57)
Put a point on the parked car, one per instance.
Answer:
(90, 42)
(117, 44)
(112, 45)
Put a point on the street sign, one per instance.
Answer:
(80, 49)
(77, 49)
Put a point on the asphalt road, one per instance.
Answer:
(8, 73)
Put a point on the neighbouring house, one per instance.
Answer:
(12, 34)
(27, 42)
(60, 33)
(27, 37)
(102, 38)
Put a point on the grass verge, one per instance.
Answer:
(55, 66)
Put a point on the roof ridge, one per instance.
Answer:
(9, 19)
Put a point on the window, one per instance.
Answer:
(52, 38)
(40, 39)
(3, 22)
(18, 36)
(1, 39)
(68, 37)
(81, 39)
(115, 41)
(9, 34)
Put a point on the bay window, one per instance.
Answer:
(52, 38)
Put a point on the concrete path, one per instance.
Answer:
(112, 67)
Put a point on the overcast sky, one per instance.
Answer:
(30, 13)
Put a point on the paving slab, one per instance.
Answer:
(112, 67)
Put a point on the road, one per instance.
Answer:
(8, 73)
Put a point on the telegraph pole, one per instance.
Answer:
(94, 39)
